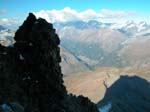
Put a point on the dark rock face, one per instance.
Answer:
(128, 94)
(30, 73)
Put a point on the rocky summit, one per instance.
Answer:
(30, 74)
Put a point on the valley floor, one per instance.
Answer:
(93, 84)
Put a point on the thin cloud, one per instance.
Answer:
(68, 14)
(9, 22)
(114, 14)
(3, 11)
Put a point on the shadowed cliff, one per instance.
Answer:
(127, 94)
(30, 74)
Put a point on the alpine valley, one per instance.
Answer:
(95, 54)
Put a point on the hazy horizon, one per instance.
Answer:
(12, 13)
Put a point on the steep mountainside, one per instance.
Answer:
(127, 94)
(30, 74)
(107, 45)
(116, 90)
(71, 64)
(136, 52)
(94, 44)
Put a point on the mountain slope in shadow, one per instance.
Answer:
(127, 94)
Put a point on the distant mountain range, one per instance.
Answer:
(88, 45)
(1, 28)
(107, 44)
(72, 64)
(6, 36)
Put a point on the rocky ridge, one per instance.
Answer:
(30, 74)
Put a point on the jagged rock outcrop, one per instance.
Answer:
(30, 74)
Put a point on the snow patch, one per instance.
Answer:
(21, 57)
(105, 108)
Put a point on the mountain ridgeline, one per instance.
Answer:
(30, 74)
(89, 45)
(107, 44)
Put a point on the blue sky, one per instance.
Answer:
(24, 6)
(18, 9)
